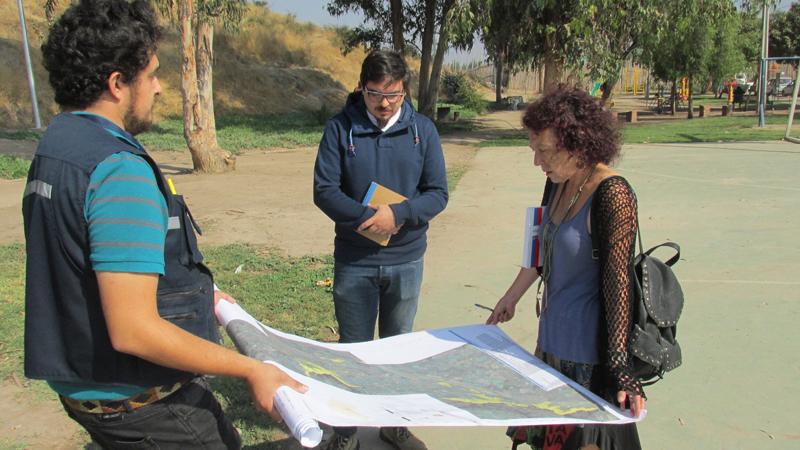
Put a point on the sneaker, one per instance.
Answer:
(401, 439)
(339, 442)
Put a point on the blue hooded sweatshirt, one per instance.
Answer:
(407, 158)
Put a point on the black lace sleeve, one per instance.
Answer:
(614, 220)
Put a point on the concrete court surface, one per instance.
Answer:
(735, 210)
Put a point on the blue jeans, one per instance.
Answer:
(364, 294)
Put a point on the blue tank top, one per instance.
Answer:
(568, 326)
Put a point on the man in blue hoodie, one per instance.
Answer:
(378, 137)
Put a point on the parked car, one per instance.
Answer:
(776, 85)
(789, 89)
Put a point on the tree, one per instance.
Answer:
(611, 30)
(684, 46)
(386, 18)
(784, 33)
(421, 21)
(509, 49)
(727, 57)
(196, 23)
(197, 47)
(196, 20)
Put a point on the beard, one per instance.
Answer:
(135, 124)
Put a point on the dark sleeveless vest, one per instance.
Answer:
(66, 338)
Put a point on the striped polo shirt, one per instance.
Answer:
(127, 219)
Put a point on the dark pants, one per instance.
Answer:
(364, 295)
(189, 418)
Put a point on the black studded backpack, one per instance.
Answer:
(657, 306)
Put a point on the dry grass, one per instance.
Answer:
(273, 65)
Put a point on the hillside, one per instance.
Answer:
(273, 65)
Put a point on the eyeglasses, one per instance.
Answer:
(378, 96)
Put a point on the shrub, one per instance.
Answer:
(458, 88)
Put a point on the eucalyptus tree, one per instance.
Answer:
(448, 22)
(504, 26)
(196, 20)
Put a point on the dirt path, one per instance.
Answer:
(266, 201)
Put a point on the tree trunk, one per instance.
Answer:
(398, 41)
(673, 104)
(499, 62)
(427, 49)
(553, 64)
(429, 108)
(690, 114)
(608, 88)
(198, 121)
(552, 71)
(540, 72)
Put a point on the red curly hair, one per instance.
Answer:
(581, 126)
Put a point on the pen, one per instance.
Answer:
(484, 307)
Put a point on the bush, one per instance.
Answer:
(458, 88)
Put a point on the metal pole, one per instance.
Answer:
(31, 83)
(788, 136)
(762, 95)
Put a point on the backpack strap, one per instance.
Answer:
(671, 245)
(548, 189)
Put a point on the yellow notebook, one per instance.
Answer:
(380, 195)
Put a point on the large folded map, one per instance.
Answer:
(464, 376)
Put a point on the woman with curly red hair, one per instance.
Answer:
(586, 298)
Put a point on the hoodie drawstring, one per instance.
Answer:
(352, 147)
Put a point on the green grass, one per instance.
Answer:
(12, 309)
(710, 129)
(237, 133)
(21, 135)
(12, 167)
(454, 175)
(277, 290)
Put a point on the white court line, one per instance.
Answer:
(704, 181)
(761, 282)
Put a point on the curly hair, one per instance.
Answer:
(579, 122)
(93, 39)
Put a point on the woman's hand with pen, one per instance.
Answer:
(507, 305)
(503, 311)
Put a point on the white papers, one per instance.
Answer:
(463, 376)
(531, 237)
(298, 417)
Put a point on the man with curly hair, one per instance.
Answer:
(119, 305)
